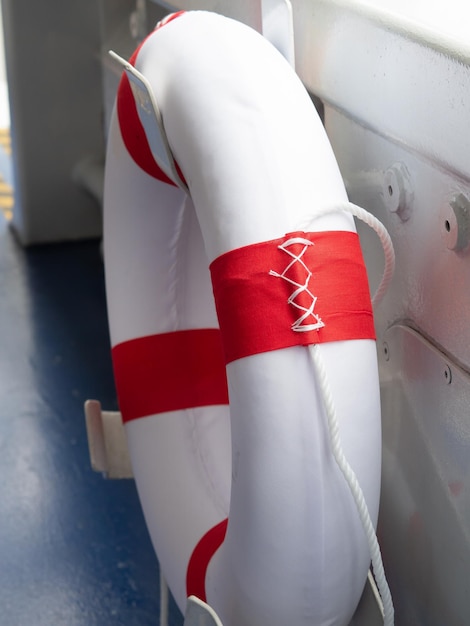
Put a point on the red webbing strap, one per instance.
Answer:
(200, 559)
(169, 372)
(301, 289)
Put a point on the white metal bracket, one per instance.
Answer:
(107, 441)
(152, 121)
(278, 26)
(198, 613)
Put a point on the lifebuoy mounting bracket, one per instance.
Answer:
(151, 119)
(198, 613)
(107, 442)
(278, 26)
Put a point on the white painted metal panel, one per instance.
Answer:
(391, 74)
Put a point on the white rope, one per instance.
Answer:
(163, 600)
(386, 603)
(354, 486)
(379, 228)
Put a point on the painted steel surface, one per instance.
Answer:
(425, 514)
(411, 170)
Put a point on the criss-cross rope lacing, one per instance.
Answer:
(301, 324)
(385, 600)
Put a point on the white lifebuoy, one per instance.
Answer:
(257, 161)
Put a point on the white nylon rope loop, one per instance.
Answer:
(381, 231)
(386, 604)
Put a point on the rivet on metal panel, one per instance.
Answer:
(455, 220)
(448, 374)
(398, 191)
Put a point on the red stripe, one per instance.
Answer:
(169, 372)
(252, 303)
(200, 559)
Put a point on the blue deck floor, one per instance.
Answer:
(74, 548)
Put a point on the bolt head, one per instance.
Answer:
(397, 191)
(455, 223)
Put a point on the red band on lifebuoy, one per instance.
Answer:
(132, 131)
(301, 289)
(200, 559)
(170, 372)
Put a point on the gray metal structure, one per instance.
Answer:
(55, 104)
